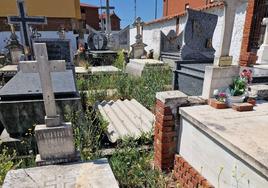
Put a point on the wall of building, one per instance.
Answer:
(199, 150)
(115, 23)
(91, 17)
(172, 7)
(48, 8)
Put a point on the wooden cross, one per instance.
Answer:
(24, 22)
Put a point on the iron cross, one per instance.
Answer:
(24, 22)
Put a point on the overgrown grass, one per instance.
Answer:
(89, 131)
(132, 166)
(143, 89)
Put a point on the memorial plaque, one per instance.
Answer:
(97, 41)
(58, 49)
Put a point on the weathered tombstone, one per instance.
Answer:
(263, 51)
(138, 48)
(170, 42)
(223, 58)
(58, 49)
(195, 51)
(24, 22)
(21, 104)
(220, 75)
(54, 138)
(97, 41)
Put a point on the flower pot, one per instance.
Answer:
(217, 104)
(235, 99)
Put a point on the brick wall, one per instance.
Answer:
(92, 17)
(166, 126)
(171, 7)
(245, 55)
(187, 176)
(164, 137)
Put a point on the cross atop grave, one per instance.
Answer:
(24, 22)
(108, 19)
(265, 22)
(223, 57)
(52, 118)
(138, 24)
(263, 51)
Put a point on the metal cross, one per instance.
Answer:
(24, 22)
(108, 19)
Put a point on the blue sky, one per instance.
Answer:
(125, 9)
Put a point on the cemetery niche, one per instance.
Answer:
(191, 51)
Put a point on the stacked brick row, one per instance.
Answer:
(187, 176)
(164, 139)
(247, 57)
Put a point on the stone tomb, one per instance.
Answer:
(94, 174)
(195, 51)
(227, 147)
(136, 67)
(21, 104)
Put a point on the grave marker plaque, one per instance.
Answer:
(58, 49)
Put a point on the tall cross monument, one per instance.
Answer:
(54, 138)
(108, 18)
(24, 22)
(223, 57)
(263, 51)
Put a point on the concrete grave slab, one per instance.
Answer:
(94, 174)
(136, 67)
(211, 140)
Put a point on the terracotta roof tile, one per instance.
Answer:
(166, 18)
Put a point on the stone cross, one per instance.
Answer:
(108, 19)
(263, 51)
(265, 22)
(223, 57)
(52, 118)
(138, 24)
(24, 22)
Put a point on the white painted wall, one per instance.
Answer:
(151, 33)
(207, 157)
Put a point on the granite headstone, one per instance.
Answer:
(197, 36)
(58, 49)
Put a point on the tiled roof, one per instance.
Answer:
(88, 5)
(103, 15)
(166, 18)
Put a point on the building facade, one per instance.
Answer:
(172, 7)
(115, 21)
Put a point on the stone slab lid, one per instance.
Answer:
(9, 68)
(146, 61)
(94, 174)
(243, 133)
(126, 118)
(29, 84)
(104, 69)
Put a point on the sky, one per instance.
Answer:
(125, 9)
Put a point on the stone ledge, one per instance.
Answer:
(171, 97)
